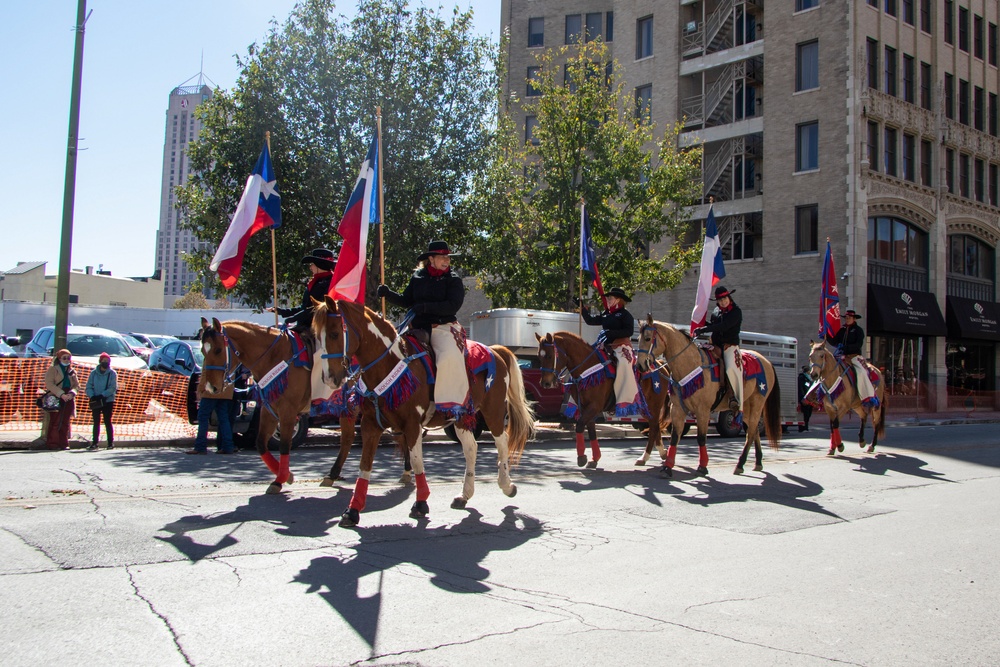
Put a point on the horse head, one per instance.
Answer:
(651, 344)
(328, 327)
(216, 348)
(551, 362)
(820, 360)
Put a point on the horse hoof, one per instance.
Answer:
(738, 471)
(831, 452)
(406, 479)
(640, 462)
(758, 468)
(273, 489)
(871, 450)
(291, 478)
(840, 448)
(420, 510)
(666, 472)
(591, 464)
(703, 471)
(326, 482)
(350, 518)
(513, 491)
(581, 460)
(458, 503)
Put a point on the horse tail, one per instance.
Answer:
(772, 416)
(880, 423)
(520, 416)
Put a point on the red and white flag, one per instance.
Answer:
(712, 271)
(348, 282)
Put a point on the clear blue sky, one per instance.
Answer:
(135, 53)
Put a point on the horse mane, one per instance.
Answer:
(665, 326)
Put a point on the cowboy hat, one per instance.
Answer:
(620, 293)
(852, 314)
(437, 248)
(721, 291)
(321, 257)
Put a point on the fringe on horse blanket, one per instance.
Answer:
(273, 384)
(691, 383)
(343, 402)
(396, 388)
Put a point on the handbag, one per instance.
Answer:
(96, 403)
(48, 402)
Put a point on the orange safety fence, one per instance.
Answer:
(148, 405)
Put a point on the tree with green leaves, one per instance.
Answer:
(315, 83)
(588, 143)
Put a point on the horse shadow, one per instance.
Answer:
(650, 485)
(883, 463)
(339, 579)
(290, 516)
(794, 494)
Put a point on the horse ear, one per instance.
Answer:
(216, 324)
(330, 303)
(315, 301)
(649, 319)
(537, 337)
(204, 323)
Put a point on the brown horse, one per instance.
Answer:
(839, 395)
(694, 383)
(226, 346)
(396, 395)
(591, 386)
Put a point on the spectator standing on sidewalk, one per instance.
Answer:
(61, 380)
(805, 381)
(102, 386)
(222, 405)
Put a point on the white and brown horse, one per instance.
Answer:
(396, 395)
(695, 380)
(838, 392)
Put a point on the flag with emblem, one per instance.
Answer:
(829, 299)
(711, 272)
(588, 255)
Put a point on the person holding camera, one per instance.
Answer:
(102, 385)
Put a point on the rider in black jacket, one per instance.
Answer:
(321, 262)
(617, 326)
(850, 343)
(725, 325)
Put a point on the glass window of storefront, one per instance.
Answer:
(971, 367)
(903, 362)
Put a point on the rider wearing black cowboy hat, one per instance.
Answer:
(435, 294)
(724, 324)
(850, 343)
(321, 262)
(617, 326)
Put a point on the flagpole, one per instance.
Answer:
(274, 253)
(579, 326)
(381, 205)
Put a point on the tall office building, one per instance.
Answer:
(873, 123)
(171, 241)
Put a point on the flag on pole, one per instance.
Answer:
(348, 282)
(712, 271)
(588, 257)
(829, 300)
(259, 208)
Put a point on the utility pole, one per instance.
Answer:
(69, 189)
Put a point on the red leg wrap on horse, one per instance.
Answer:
(423, 491)
(835, 437)
(360, 494)
(270, 462)
(596, 449)
(581, 446)
(283, 472)
(703, 456)
(671, 455)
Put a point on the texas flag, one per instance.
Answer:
(588, 254)
(259, 208)
(712, 271)
(829, 299)
(348, 280)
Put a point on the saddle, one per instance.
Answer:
(303, 347)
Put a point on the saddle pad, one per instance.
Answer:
(754, 370)
(301, 358)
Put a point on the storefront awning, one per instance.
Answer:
(971, 318)
(909, 312)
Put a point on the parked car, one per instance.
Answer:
(152, 341)
(138, 346)
(86, 345)
(177, 356)
(6, 351)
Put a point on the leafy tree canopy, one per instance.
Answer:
(588, 142)
(315, 84)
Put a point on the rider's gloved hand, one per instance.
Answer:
(382, 291)
(697, 332)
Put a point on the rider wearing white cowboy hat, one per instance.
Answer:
(724, 325)
(435, 294)
(617, 326)
(850, 342)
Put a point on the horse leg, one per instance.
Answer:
(863, 414)
(835, 441)
(346, 439)
(284, 475)
(266, 428)
(503, 465)
(759, 456)
(702, 454)
(420, 509)
(595, 448)
(371, 433)
(677, 420)
(743, 457)
(581, 446)
(469, 448)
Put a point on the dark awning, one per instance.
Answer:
(970, 318)
(894, 310)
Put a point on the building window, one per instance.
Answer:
(574, 26)
(978, 109)
(889, 153)
(536, 32)
(890, 7)
(909, 157)
(807, 66)
(925, 164)
(908, 12)
(908, 79)
(949, 22)
(746, 241)
(994, 185)
(925, 16)
(801, 5)
(897, 241)
(609, 27)
(968, 256)
(949, 96)
(963, 174)
(644, 103)
(978, 37)
(963, 29)
(807, 146)
(873, 145)
(873, 70)
(949, 169)
(979, 180)
(925, 85)
(533, 73)
(873, 3)
(993, 44)
(963, 101)
(806, 229)
(644, 37)
(890, 71)
(530, 125)
(991, 112)
(593, 26)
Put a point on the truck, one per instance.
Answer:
(515, 328)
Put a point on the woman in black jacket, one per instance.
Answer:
(617, 326)
(321, 262)
(435, 294)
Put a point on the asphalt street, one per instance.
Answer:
(147, 556)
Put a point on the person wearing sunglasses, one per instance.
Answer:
(61, 381)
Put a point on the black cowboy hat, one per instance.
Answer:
(437, 248)
(321, 257)
(852, 314)
(721, 291)
(620, 293)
